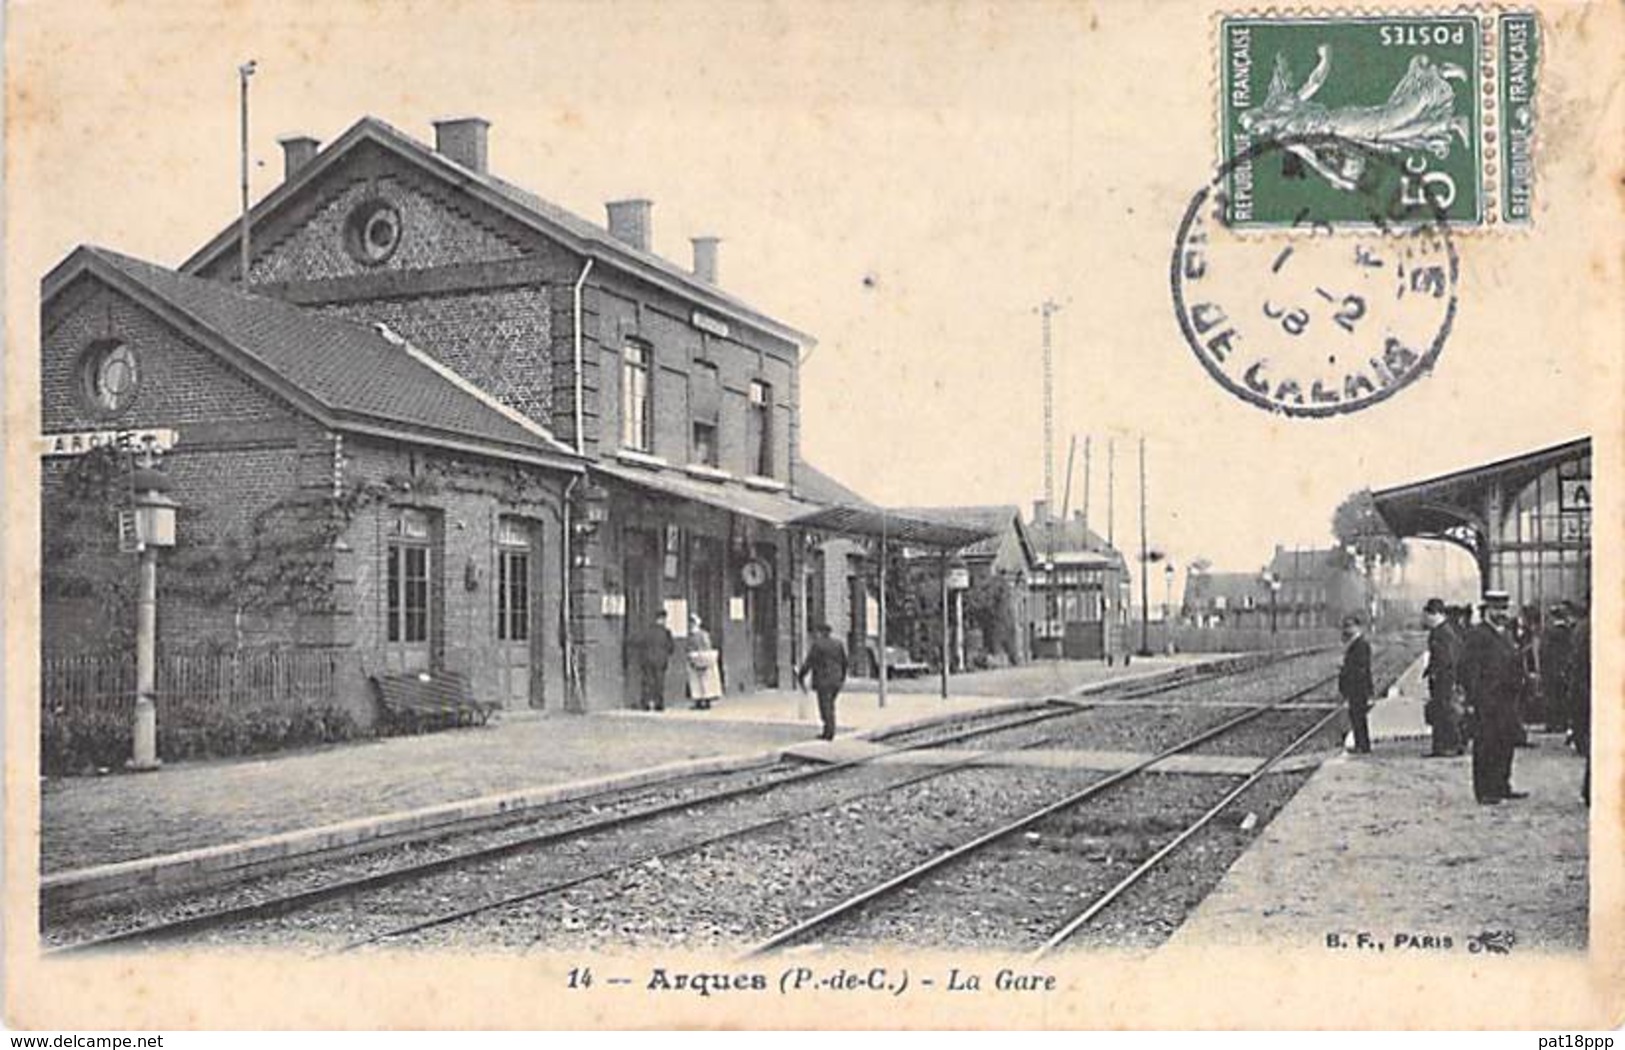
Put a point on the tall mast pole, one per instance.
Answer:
(1046, 309)
(244, 71)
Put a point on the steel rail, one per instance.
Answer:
(828, 915)
(1101, 903)
(671, 852)
(1060, 708)
(284, 904)
(276, 906)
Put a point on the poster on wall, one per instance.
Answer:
(677, 617)
(736, 609)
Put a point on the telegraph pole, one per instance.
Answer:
(1145, 566)
(1086, 487)
(1111, 492)
(244, 71)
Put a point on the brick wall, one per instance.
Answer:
(498, 340)
(434, 232)
(179, 382)
(240, 449)
(466, 498)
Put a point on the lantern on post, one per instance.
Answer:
(152, 523)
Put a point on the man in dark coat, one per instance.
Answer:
(1493, 679)
(654, 649)
(1578, 683)
(1443, 652)
(1555, 652)
(826, 662)
(1354, 681)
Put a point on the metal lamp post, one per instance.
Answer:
(153, 525)
(1167, 606)
(1274, 585)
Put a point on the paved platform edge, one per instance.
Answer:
(213, 865)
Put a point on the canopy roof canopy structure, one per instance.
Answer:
(1517, 516)
(879, 523)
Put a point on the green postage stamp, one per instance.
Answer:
(1370, 119)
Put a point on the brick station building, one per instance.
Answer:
(446, 424)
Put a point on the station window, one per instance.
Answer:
(513, 583)
(705, 410)
(406, 572)
(759, 429)
(637, 416)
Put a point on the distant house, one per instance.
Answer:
(1226, 599)
(1297, 589)
(1318, 587)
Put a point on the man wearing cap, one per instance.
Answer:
(1493, 678)
(826, 662)
(1354, 682)
(1443, 651)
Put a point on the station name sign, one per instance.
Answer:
(160, 439)
(706, 323)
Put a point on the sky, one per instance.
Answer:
(905, 182)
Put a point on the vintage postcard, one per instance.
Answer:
(796, 515)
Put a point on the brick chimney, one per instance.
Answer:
(629, 222)
(297, 151)
(705, 258)
(463, 140)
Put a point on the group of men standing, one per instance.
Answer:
(1478, 681)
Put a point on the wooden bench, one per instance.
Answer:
(899, 664)
(422, 700)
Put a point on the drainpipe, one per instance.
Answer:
(566, 634)
(581, 441)
(572, 682)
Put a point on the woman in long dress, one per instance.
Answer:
(704, 668)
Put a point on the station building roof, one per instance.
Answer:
(348, 376)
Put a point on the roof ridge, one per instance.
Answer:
(536, 209)
(471, 388)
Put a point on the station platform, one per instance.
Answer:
(1394, 842)
(344, 794)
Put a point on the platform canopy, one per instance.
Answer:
(1525, 519)
(879, 523)
(1433, 508)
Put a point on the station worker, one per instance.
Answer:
(1493, 677)
(1354, 681)
(826, 662)
(1444, 647)
(654, 649)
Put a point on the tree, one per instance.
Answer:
(1359, 527)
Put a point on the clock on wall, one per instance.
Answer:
(753, 573)
(109, 376)
(373, 232)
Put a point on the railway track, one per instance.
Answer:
(858, 901)
(273, 907)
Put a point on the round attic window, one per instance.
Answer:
(373, 232)
(108, 377)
